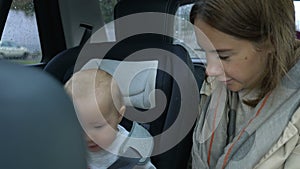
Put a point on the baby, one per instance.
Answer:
(100, 108)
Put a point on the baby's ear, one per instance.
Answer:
(121, 112)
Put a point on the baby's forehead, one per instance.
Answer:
(94, 108)
(102, 104)
(96, 118)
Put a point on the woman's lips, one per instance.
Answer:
(227, 81)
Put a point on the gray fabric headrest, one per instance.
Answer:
(136, 79)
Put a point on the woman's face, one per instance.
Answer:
(232, 61)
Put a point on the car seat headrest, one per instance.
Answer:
(38, 123)
(136, 79)
(158, 14)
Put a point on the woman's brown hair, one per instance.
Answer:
(268, 24)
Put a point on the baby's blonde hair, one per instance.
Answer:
(95, 83)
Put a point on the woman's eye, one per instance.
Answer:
(225, 57)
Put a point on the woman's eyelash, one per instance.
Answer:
(224, 57)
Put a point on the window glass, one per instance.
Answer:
(297, 14)
(20, 39)
(184, 33)
(107, 10)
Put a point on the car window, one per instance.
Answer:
(20, 38)
(107, 10)
(297, 14)
(184, 33)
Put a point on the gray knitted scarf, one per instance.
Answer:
(215, 145)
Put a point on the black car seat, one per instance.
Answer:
(151, 26)
(174, 79)
(38, 123)
(161, 24)
(62, 65)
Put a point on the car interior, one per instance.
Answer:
(148, 45)
(68, 36)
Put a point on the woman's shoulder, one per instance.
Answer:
(285, 150)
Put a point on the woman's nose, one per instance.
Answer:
(214, 68)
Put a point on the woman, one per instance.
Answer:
(250, 115)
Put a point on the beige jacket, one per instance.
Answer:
(285, 154)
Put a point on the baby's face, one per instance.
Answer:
(100, 127)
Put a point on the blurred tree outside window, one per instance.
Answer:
(107, 10)
(297, 14)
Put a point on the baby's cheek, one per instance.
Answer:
(105, 138)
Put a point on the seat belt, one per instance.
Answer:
(87, 33)
(85, 37)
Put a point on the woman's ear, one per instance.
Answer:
(121, 113)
